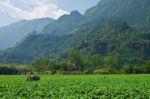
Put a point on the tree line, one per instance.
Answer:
(77, 63)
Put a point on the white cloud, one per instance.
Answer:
(40, 9)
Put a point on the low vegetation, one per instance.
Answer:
(74, 87)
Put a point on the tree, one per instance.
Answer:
(53, 65)
(77, 59)
(40, 64)
(96, 60)
(128, 69)
(146, 66)
(116, 61)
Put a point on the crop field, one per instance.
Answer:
(76, 87)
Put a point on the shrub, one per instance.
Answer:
(47, 72)
(88, 71)
(8, 71)
(102, 71)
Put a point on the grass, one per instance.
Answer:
(76, 86)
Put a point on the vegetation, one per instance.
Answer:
(89, 86)
(76, 63)
(130, 45)
(15, 69)
(7, 70)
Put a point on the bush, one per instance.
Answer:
(8, 71)
(72, 72)
(53, 72)
(47, 72)
(138, 70)
(102, 71)
(88, 71)
(128, 69)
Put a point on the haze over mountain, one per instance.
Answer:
(109, 28)
(14, 33)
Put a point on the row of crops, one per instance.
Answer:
(76, 87)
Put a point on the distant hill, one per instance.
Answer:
(111, 27)
(12, 34)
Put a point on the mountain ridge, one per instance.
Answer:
(13, 33)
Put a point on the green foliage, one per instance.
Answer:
(76, 86)
(77, 59)
(142, 68)
(130, 45)
(116, 60)
(89, 71)
(8, 71)
(96, 60)
(146, 66)
(40, 64)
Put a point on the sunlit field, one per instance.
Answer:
(76, 86)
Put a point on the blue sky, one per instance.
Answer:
(15, 10)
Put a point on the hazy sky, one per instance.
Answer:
(14, 10)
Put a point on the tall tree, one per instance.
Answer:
(96, 60)
(77, 59)
(116, 60)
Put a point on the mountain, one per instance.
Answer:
(66, 24)
(111, 27)
(106, 39)
(12, 34)
(134, 12)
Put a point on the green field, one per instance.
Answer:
(76, 87)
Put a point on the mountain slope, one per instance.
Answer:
(12, 34)
(133, 44)
(105, 39)
(36, 46)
